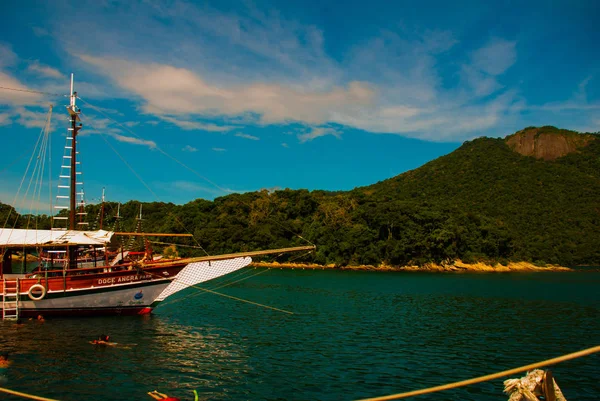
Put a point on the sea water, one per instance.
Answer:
(352, 335)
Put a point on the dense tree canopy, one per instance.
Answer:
(482, 202)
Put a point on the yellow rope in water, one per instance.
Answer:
(449, 386)
(24, 395)
(243, 300)
(493, 376)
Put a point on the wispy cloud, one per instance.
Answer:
(258, 67)
(193, 125)
(577, 101)
(31, 119)
(44, 70)
(219, 149)
(400, 95)
(486, 63)
(16, 98)
(189, 148)
(285, 145)
(247, 136)
(103, 126)
(134, 141)
(5, 118)
(318, 132)
(193, 187)
(170, 90)
(496, 57)
(7, 56)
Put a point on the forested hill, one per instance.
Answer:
(487, 199)
(533, 196)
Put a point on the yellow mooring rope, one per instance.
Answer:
(463, 383)
(24, 395)
(493, 376)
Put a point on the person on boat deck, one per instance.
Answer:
(4, 362)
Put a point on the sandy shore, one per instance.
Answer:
(457, 267)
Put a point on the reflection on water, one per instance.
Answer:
(354, 335)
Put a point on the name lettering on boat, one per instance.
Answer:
(124, 279)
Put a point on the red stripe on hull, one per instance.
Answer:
(129, 311)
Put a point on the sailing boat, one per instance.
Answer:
(120, 287)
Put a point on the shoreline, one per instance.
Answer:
(455, 267)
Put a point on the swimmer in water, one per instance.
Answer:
(4, 362)
(102, 340)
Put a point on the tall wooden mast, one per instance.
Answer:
(74, 113)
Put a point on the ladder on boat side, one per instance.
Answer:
(10, 299)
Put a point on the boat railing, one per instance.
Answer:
(82, 271)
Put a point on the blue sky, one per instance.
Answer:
(274, 94)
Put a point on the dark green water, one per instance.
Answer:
(354, 335)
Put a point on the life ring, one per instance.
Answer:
(37, 287)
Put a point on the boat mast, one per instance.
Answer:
(102, 210)
(74, 113)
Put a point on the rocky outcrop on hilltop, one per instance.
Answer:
(548, 143)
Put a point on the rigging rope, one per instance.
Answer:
(224, 295)
(38, 144)
(480, 379)
(225, 283)
(32, 91)
(183, 165)
(146, 185)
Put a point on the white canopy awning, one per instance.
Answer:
(22, 237)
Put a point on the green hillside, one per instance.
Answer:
(534, 210)
(485, 201)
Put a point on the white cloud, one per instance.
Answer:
(578, 101)
(259, 67)
(7, 56)
(103, 126)
(193, 125)
(317, 132)
(132, 140)
(16, 98)
(480, 83)
(45, 70)
(5, 118)
(219, 149)
(247, 136)
(496, 57)
(31, 119)
(169, 90)
(285, 145)
(189, 148)
(180, 96)
(194, 187)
